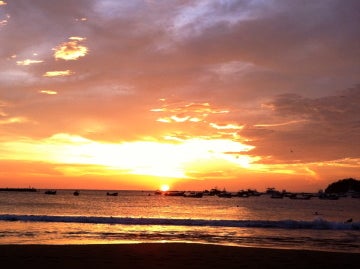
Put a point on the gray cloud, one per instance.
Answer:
(326, 128)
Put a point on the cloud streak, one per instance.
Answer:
(57, 73)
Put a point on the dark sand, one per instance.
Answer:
(168, 255)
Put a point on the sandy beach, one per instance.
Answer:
(168, 255)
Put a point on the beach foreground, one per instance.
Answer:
(168, 255)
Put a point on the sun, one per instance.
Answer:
(164, 187)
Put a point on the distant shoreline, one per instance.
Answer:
(19, 189)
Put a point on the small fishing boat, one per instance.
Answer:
(50, 192)
(301, 196)
(277, 195)
(193, 194)
(112, 194)
(174, 193)
(225, 194)
(329, 196)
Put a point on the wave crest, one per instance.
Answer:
(317, 224)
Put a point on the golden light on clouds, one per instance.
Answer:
(281, 123)
(58, 73)
(138, 158)
(226, 126)
(164, 120)
(81, 19)
(188, 112)
(77, 38)
(13, 120)
(49, 92)
(287, 169)
(71, 50)
(3, 22)
(28, 62)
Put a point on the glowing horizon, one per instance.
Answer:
(151, 158)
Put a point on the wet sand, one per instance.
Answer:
(168, 255)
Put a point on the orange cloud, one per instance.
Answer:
(151, 158)
(226, 126)
(77, 38)
(192, 112)
(3, 22)
(57, 73)
(280, 124)
(28, 62)
(165, 120)
(13, 120)
(49, 92)
(71, 50)
(81, 19)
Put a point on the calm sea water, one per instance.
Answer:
(140, 216)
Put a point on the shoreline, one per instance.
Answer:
(169, 255)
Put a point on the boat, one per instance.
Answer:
(50, 192)
(243, 194)
(224, 194)
(271, 191)
(212, 192)
(193, 194)
(112, 194)
(328, 196)
(174, 193)
(301, 196)
(277, 195)
(76, 193)
(253, 192)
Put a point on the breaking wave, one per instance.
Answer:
(317, 224)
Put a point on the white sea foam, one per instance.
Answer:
(317, 224)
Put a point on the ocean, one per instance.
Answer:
(93, 217)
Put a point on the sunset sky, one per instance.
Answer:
(110, 94)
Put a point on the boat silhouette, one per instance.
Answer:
(50, 192)
(112, 194)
